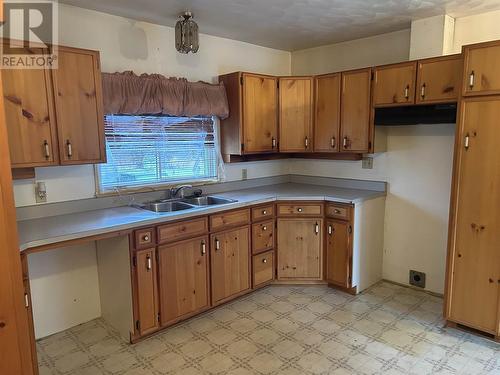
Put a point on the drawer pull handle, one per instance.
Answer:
(337, 211)
(145, 238)
(264, 212)
(46, 149)
(471, 79)
(264, 260)
(299, 209)
(217, 244)
(149, 263)
(203, 248)
(264, 228)
(316, 228)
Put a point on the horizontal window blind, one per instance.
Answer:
(154, 150)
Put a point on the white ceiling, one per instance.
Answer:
(290, 24)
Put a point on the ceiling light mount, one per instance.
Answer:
(186, 34)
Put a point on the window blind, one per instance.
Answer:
(155, 150)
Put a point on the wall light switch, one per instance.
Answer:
(244, 174)
(367, 163)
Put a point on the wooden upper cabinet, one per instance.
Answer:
(394, 84)
(79, 108)
(475, 272)
(29, 115)
(355, 128)
(260, 113)
(481, 73)
(296, 114)
(439, 79)
(327, 113)
(183, 279)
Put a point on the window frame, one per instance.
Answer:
(167, 185)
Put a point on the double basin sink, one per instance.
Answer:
(172, 205)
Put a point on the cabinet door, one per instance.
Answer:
(296, 110)
(394, 85)
(230, 263)
(327, 107)
(79, 108)
(355, 111)
(184, 279)
(299, 248)
(481, 74)
(146, 291)
(439, 80)
(338, 253)
(476, 250)
(260, 113)
(30, 117)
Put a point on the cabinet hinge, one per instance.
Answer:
(138, 325)
(158, 317)
(349, 280)
(369, 145)
(242, 146)
(372, 76)
(134, 261)
(241, 80)
(350, 229)
(278, 83)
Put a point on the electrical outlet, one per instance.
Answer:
(244, 174)
(40, 192)
(367, 162)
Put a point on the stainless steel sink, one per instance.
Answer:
(208, 201)
(167, 206)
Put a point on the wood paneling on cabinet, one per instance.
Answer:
(338, 253)
(183, 279)
(355, 111)
(474, 253)
(394, 84)
(230, 263)
(439, 79)
(481, 62)
(263, 212)
(30, 117)
(262, 236)
(79, 109)
(183, 229)
(300, 248)
(146, 291)
(296, 114)
(327, 113)
(300, 209)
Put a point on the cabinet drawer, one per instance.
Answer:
(229, 219)
(144, 238)
(338, 211)
(300, 209)
(262, 236)
(262, 212)
(183, 229)
(263, 269)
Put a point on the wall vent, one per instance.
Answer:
(417, 279)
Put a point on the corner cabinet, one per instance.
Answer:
(481, 75)
(252, 125)
(296, 114)
(55, 117)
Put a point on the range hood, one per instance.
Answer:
(416, 114)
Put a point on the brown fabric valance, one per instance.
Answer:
(154, 94)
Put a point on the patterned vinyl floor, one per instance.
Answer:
(286, 330)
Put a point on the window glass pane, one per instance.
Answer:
(152, 150)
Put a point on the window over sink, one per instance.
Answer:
(150, 151)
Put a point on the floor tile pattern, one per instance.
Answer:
(286, 330)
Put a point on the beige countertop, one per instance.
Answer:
(56, 229)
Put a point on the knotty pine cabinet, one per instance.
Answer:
(263, 245)
(296, 114)
(439, 79)
(55, 117)
(473, 287)
(252, 125)
(327, 113)
(480, 74)
(394, 84)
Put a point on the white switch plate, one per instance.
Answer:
(367, 163)
(244, 174)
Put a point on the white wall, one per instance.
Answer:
(476, 29)
(146, 48)
(361, 53)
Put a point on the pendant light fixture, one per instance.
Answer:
(186, 34)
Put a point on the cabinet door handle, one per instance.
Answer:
(264, 228)
(333, 142)
(203, 248)
(149, 263)
(306, 142)
(422, 91)
(471, 79)
(70, 148)
(26, 300)
(407, 92)
(264, 212)
(299, 209)
(330, 230)
(145, 238)
(345, 142)
(46, 149)
(466, 141)
(264, 260)
(217, 244)
(274, 142)
(316, 228)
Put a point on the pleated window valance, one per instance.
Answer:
(154, 94)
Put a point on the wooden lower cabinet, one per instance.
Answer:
(230, 263)
(300, 248)
(263, 269)
(338, 253)
(146, 291)
(262, 236)
(184, 279)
